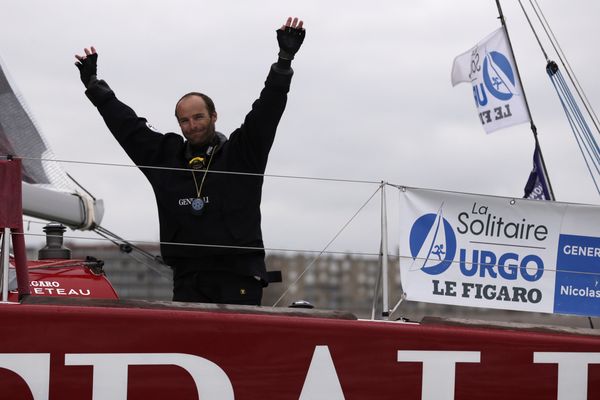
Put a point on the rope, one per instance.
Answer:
(583, 136)
(592, 145)
(563, 59)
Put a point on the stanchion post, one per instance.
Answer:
(11, 221)
(384, 254)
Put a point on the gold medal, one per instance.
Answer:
(197, 163)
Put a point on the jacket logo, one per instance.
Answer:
(188, 201)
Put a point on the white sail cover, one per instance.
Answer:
(44, 181)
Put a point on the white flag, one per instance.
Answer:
(490, 68)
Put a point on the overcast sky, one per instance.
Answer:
(371, 99)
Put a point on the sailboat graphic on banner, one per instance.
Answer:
(433, 247)
(432, 243)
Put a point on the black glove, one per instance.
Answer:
(289, 39)
(87, 69)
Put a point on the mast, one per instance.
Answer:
(533, 127)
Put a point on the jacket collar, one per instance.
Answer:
(216, 145)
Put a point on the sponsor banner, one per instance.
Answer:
(496, 252)
(490, 68)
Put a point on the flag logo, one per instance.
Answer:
(498, 76)
(490, 69)
(538, 185)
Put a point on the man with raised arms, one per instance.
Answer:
(209, 222)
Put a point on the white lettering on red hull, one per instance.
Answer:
(110, 372)
(48, 291)
(572, 372)
(34, 369)
(322, 381)
(439, 369)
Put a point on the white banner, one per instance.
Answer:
(490, 68)
(503, 253)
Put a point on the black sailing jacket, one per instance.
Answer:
(232, 214)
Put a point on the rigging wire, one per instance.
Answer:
(104, 164)
(408, 258)
(565, 62)
(577, 124)
(592, 146)
(584, 137)
(127, 246)
(563, 59)
(155, 263)
(273, 249)
(124, 244)
(534, 32)
(327, 245)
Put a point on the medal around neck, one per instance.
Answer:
(198, 206)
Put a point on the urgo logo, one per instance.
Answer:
(432, 244)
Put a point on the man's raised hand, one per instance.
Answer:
(87, 65)
(290, 37)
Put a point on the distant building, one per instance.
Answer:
(331, 282)
(340, 282)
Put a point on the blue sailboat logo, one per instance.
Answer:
(432, 244)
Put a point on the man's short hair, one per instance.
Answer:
(210, 105)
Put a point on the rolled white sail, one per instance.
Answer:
(73, 209)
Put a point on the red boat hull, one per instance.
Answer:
(146, 348)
